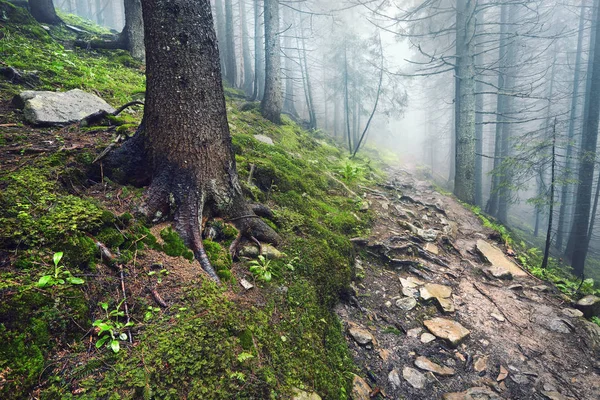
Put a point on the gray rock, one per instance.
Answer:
(414, 377)
(589, 305)
(571, 312)
(427, 338)
(360, 389)
(414, 332)
(406, 303)
(394, 378)
(59, 108)
(555, 396)
(429, 235)
(245, 284)
(264, 139)
(475, 393)
(304, 395)
(361, 336)
(268, 251)
(446, 329)
(520, 379)
(427, 365)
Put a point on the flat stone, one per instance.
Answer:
(432, 248)
(520, 379)
(571, 312)
(496, 257)
(411, 282)
(515, 287)
(446, 329)
(410, 292)
(433, 290)
(394, 378)
(427, 365)
(361, 336)
(360, 389)
(427, 338)
(447, 305)
(268, 251)
(429, 235)
(245, 284)
(541, 288)
(414, 377)
(589, 305)
(502, 374)
(264, 139)
(481, 364)
(59, 108)
(475, 393)
(498, 317)
(406, 303)
(303, 395)
(414, 332)
(555, 396)
(501, 273)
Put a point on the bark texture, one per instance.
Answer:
(259, 49)
(230, 62)
(133, 31)
(43, 11)
(183, 147)
(247, 57)
(272, 101)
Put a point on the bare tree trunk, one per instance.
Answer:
(247, 57)
(552, 185)
(259, 68)
(44, 12)
(133, 32)
(464, 182)
(272, 101)
(230, 61)
(188, 161)
(346, 105)
(306, 79)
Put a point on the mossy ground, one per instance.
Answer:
(211, 342)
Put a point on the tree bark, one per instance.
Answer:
(44, 12)
(259, 66)
(246, 56)
(133, 31)
(220, 27)
(188, 161)
(464, 182)
(230, 61)
(551, 211)
(272, 101)
(478, 131)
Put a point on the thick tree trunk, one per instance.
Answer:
(133, 31)
(43, 11)
(272, 101)
(259, 66)
(579, 233)
(188, 161)
(289, 105)
(220, 27)
(230, 61)
(247, 57)
(464, 182)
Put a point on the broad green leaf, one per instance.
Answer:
(44, 281)
(75, 281)
(57, 257)
(123, 336)
(101, 341)
(114, 345)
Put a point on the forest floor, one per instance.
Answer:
(523, 340)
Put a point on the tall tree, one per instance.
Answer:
(220, 27)
(132, 35)
(289, 105)
(259, 49)
(188, 161)
(230, 60)
(272, 101)
(247, 57)
(43, 11)
(589, 139)
(464, 181)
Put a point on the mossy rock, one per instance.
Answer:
(174, 246)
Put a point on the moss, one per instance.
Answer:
(111, 237)
(219, 258)
(174, 246)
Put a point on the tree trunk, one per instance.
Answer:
(272, 101)
(346, 105)
(312, 124)
(220, 27)
(44, 12)
(478, 131)
(230, 61)
(259, 66)
(133, 31)
(247, 57)
(188, 161)
(579, 232)
(565, 196)
(551, 211)
(464, 182)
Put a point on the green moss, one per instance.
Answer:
(111, 237)
(219, 257)
(174, 246)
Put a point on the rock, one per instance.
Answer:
(264, 139)
(414, 332)
(441, 293)
(592, 332)
(559, 325)
(501, 273)
(520, 379)
(502, 374)
(498, 317)
(268, 251)
(414, 377)
(427, 338)
(446, 305)
(555, 396)
(541, 288)
(432, 248)
(475, 393)
(406, 303)
(429, 235)
(303, 395)
(364, 206)
(480, 364)
(394, 378)
(360, 389)
(245, 284)
(411, 282)
(427, 365)
(410, 292)
(361, 336)
(589, 305)
(497, 259)
(515, 287)
(571, 312)
(446, 329)
(59, 108)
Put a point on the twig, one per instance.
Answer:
(125, 301)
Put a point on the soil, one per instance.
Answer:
(516, 325)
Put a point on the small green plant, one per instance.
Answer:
(110, 329)
(350, 171)
(61, 275)
(262, 269)
(150, 312)
(159, 274)
(596, 320)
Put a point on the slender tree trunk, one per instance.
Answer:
(133, 32)
(306, 78)
(579, 232)
(346, 100)
(188, 161)
(272, 101)
(464, 182)
(220, 27)
(230, 60)
(259, 67)
(565, 195)
(247, 57)
(289, 105)
(551, 210)
(44, 12)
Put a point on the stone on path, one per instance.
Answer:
(501, 273)
(475, 393)
(481, 364)
(303, 395)
(414, 377)
(245, 284)
(571, 312)
(394, 378)
(442, 294)
(427, 338)
(264, 139)
(428, 235)
(589, 305)
(406, 303)
(414, 332)
(555, 396)
(427, 365)
(496, 257)
(498, 317)
(502, 374)
(59, 108)
(361, 336)
(360, 389)
(446, 329)
(432, 248)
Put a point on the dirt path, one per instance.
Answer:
(523, 340)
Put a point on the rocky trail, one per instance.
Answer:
(440, 311)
